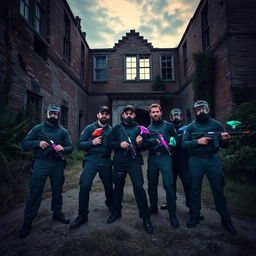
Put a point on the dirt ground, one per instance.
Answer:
(126, 236)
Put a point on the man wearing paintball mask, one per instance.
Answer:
(94, 141)
(50, 142)
(204, 160)
(160, 160)
(180, 158)
(127, 142)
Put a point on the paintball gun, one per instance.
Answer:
(97, 132)
(163, 142)
(131, 146)
(53, 146)
(215, 135)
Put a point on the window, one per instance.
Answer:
(64, 116)
(185, 59)
(40, 15)
(82, 62)
(137, 68)
(67, 44)
(35, 13)
(100, 68)
(34, 106)
(144, 68)
(205, 28)
(131, 68)
(25, 9)
(167, 70)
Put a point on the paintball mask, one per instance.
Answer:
(201, 110)
(53, 115)
(176, 116)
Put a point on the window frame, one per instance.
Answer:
(138, 67)
(95, 69)
(205, 28)
(66, 39)
(32, 7)
(185, 58)
(38, 104)
(172, 67)
(82, 62)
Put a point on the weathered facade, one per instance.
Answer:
(46, 55)
(226, 29)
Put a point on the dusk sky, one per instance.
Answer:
(162, 22)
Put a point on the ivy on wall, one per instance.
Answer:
(203, 80)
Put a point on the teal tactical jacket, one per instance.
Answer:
(117, 136)
(86, 138)
(190, 140)
(162, 127)
(45, 132)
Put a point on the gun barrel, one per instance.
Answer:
(241, 132)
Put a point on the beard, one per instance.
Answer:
(129, 120)
(104, 120)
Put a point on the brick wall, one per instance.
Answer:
(58, 81)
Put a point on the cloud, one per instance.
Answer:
(162, 22)
(156, 6)
(139, 2)
(143, 29)
(93, 19)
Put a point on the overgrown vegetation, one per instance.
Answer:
(203, 80)
(14, 162)
(239, 160)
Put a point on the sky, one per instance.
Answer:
(161, 22)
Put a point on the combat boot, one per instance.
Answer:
(193, 221)
(153, 210)
(148, 225)
(229, 227)
(80, 220)
(164, 206)
(26, 227)
(114, 216)
(61, 218)
(173, 219)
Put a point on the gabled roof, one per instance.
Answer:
(133, 33)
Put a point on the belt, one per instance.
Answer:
(99, 155)
(158, 153)
(204, 155)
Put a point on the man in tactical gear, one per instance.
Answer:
(180, 157)
(94, 140)
(51, 142)
(127, 142)
(203, 160)
(160, 159)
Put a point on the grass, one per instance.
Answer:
(113, 242)
(240, 197)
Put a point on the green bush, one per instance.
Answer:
(239, 159)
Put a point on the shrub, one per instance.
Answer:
(240, 158)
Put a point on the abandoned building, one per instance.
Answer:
(45, 54)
